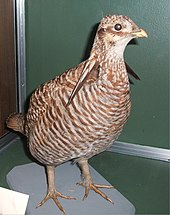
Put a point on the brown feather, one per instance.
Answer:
(16, 121)
(90, 66)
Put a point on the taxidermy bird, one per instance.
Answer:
(81, 112)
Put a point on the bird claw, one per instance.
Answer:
(53, 195)
(95, 187)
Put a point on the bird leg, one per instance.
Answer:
(52, 192)
(88, 181)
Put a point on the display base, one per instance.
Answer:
(31, 179)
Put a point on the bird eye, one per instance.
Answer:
(118, 27)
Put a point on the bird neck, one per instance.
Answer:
(109, 48)
(111, 59)
(114, 70)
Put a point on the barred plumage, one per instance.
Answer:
(82, 112)
(84, 128)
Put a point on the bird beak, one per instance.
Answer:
(140, 33)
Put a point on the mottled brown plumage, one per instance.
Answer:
(82, 112)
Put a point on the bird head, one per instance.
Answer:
(115, 32)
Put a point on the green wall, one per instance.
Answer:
(57, 37)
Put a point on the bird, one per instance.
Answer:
(81, 112)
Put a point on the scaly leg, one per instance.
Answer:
(88, 181)
(52, 193)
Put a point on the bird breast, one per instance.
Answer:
(89, 125)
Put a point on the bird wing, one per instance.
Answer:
(90, 67)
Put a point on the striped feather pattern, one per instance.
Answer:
(89, 125)
(81, 112)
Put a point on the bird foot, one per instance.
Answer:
(91, 186)
(53, 195)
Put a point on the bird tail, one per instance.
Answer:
(16, 121)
